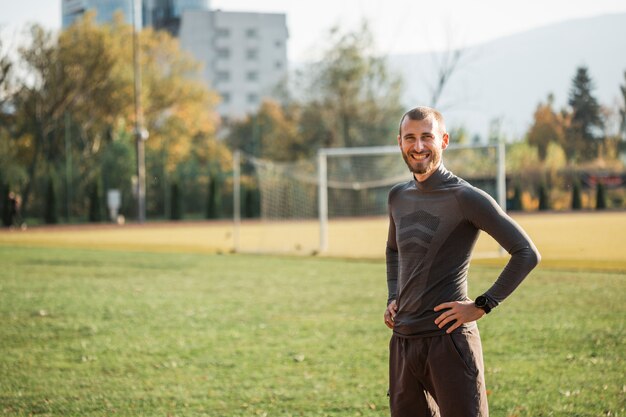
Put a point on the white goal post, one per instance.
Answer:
(325, 153)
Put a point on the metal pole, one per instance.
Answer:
(68, 167)
(501, 181)
(140, 133)
(323, 199)
(501, 176)
(236, 198)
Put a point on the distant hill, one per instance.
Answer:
(507, 78)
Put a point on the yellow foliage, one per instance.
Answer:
(521, 157)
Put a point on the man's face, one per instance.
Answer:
(422, 144)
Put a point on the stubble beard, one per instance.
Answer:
(420, 168)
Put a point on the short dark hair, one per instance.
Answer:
(421, 113)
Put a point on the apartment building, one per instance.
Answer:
(243, 54)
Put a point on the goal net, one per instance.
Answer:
(336, 203)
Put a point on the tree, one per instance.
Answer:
(50, 213)
(85, 76)
(71, 73)
(600, 196)
(214, 192)
(347, 98)
(351, 93)
(544, 197)
(5, 208)
(6, 88)
(622, 110)
(95, 203)
(445, 69)
(272, 133)
(548, 127)
(576, 198)
(116, 164)
(515, 204)
(176, 205)
(251, 202)
(582, 135)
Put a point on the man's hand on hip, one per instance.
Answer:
(458, 311)
(390, 314)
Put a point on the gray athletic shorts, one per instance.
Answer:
(439, 376)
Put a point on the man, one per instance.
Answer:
(435, 363)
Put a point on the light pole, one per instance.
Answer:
(141, 134)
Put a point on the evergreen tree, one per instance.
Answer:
(576, 199)
(213, 197)
(600, 196)
(622, 111)
(50, 210)
(544, 198)
(515, 204)
(6, 205)
(176, 211)
(586, 121)
(95, 203)
(251, 202)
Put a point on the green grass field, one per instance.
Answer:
(93, 332)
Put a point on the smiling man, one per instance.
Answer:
(435, 353)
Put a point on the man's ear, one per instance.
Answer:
(399, 141)
(445, 140)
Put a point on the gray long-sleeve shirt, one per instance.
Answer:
(433, 227)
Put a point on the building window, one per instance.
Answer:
(252, 75)
(223, 53)
(252, 54)
(223, 33)
(253, 98)
(251, 33)
(225, 97)
(222, 76)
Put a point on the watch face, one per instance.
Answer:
(480, 301)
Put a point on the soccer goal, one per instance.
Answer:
(336, 203)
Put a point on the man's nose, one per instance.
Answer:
(418, 145)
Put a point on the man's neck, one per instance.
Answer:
(423, 177)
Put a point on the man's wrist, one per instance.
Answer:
(482, 302)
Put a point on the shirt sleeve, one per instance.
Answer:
(483, 211)
(391, 255)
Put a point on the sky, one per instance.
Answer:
(399, 26)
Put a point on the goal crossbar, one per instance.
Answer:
(323, 183)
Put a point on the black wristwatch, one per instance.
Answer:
(482, 302)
